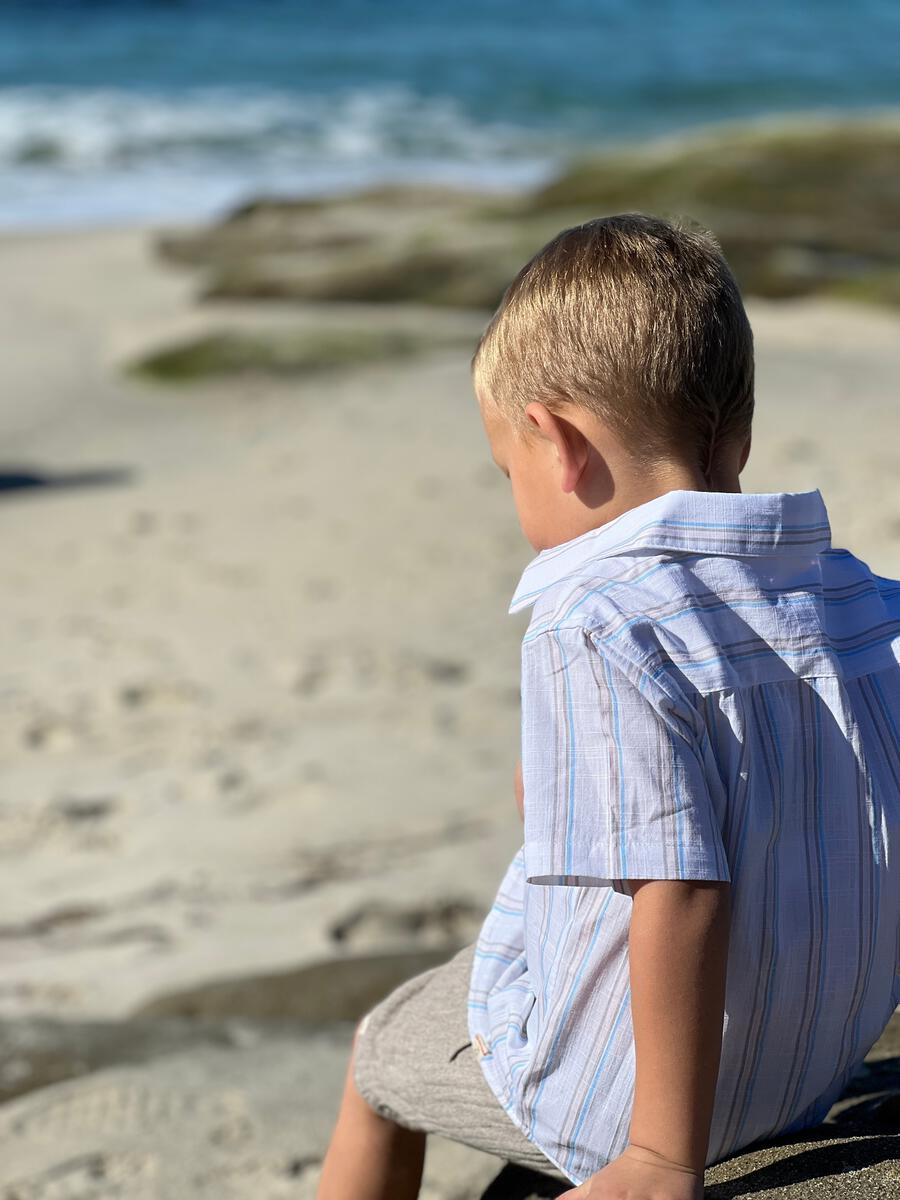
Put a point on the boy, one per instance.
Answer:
(697, 943)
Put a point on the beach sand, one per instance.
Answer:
(259, 685)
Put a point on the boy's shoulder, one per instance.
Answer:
(716, 591)
(619, 606)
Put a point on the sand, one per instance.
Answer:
(259, 686)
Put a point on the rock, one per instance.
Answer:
(38, 1051)
(438, 924)
(339, 989)
(283, 353)
(85, 808)
(455, 276)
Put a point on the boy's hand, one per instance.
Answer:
(632, 1176)
(520, 790)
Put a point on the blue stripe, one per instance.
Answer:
(702, 610)
(567, 1008)
(617, 739)
(596, 1077)
(782, 652)
(499, 957)
(875, 888)
(679, 816)
(570, 733)
(767, 999)
(818, 702)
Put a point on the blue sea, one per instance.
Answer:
(134, 110)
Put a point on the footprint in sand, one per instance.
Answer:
(48, 731)
(98, 1176)
(375, 925)
(101, 1108)
(348, 668)
(144, 693)
(272, 1180)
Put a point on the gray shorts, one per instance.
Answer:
(415, 1063)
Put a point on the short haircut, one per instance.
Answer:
(636, 319)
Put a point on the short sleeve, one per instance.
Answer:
(614, 781)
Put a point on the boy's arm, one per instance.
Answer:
(678, 949)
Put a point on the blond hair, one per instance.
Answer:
(636, 319)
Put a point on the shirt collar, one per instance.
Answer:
(732, 523)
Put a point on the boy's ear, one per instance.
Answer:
(572, 448)
(745, 453)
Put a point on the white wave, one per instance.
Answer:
(73, 157)
(87, 129)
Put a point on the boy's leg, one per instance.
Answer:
(369, 1156)
(414, 1067)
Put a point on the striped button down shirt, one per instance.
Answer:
(710, 690)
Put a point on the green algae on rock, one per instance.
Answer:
(800, 208)
(456, 277)
(280, 352)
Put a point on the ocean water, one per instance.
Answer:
(133, 110)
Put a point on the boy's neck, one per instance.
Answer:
(639, 490)
(669, 477)
(673, 476)
(628, 489)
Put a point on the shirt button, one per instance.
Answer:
(480, 1043)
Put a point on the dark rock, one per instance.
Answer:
(277, 352)
(444, 922)
(85, 808)
(38, 1051)
(340, 989)
(451, 275)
